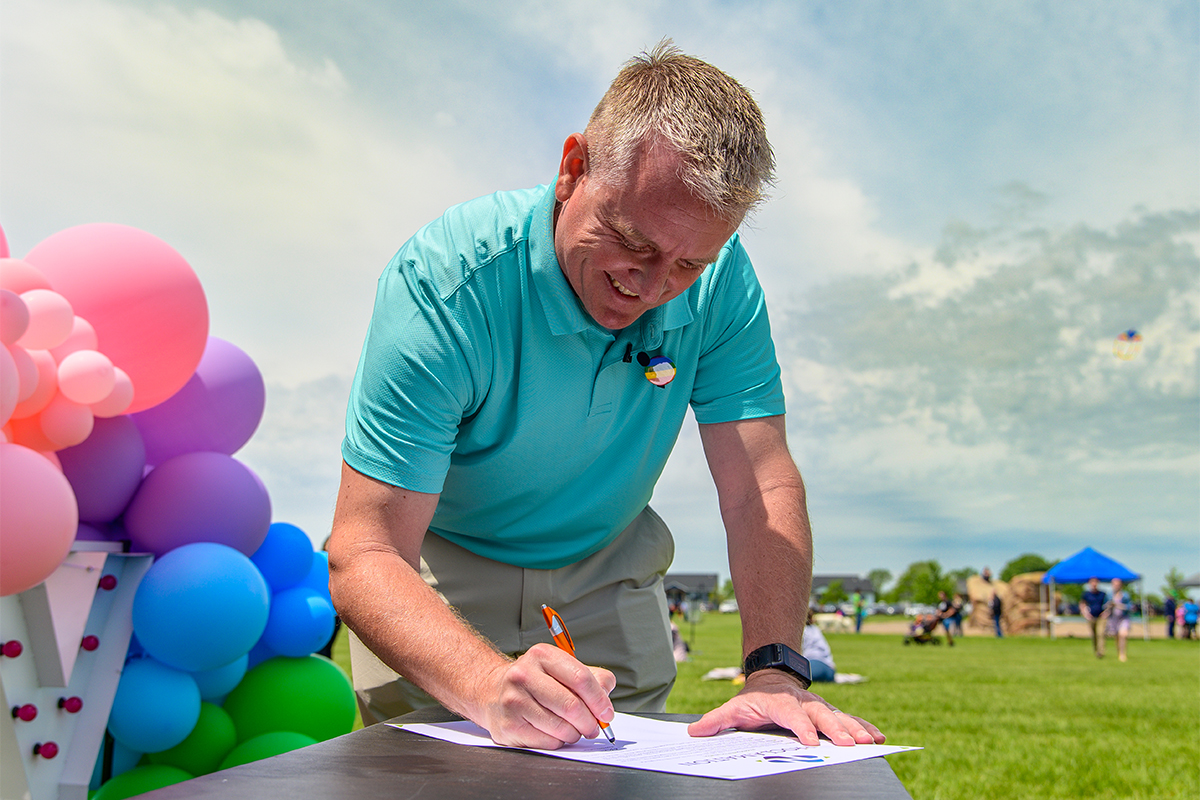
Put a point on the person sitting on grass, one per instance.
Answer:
(814, 647)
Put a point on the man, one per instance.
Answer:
(1091, 605)
(1169, 606)
(528, 367)
(1118, 610)
(860, 611)
(945, 612)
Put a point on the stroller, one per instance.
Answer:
(921, 631)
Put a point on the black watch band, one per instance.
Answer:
(781, 657)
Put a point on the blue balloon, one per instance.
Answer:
(200, 607)
(285, 556)
(123, 760)
(318, 577)
(155, 707)
(258, 654)
(301, 622)
(216, 683)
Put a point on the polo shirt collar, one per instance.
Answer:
(564, 313)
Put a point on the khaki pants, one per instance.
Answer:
(612, 601)
(1097, 625)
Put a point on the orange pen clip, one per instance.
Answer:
(562, 638)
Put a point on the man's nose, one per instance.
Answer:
(654, 278)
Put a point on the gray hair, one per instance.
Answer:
(666, 98)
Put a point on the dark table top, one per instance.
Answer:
(382, 761)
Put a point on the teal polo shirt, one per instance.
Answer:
(483, 378)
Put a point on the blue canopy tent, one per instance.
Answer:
(1088, 564)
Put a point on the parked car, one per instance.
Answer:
(728, 607)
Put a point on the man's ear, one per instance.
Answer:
(572, 167)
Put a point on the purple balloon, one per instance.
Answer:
(217, 410)
(106, 469)
(199, 497)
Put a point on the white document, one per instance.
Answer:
(664, 746)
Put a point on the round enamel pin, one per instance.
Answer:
(660, 370)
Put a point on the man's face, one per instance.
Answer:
(1094, 584)
(631, 243)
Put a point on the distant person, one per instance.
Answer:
(815, 648)
(945, 615)
(1191, 612)
(997, 608)
(1091, 606)
(1119, 607)
(1169, 607)
(679, 647)
(958, 615)
(860, 611)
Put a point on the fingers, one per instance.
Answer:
(547, 698)
(779, 701)
(844, 729)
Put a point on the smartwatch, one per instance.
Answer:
(780, 657)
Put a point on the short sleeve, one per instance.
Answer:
(737, 376)
(416, 378)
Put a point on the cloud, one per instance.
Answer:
(982, 382)
(264, 170)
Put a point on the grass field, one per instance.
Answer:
(1008, 718)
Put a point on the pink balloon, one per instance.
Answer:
(65, 422)
(14, 317)
(27, 371)
(141, 296)
(3, 244)
(27, 432)
(86, 377)
(38, 518)
(106, 469)
(45, 387)
(10, 385)
(82, 337)
(50, 319)
(118, 399)
(20, 276)
(218, 409)
(199, 497)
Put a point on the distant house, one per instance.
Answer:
(682, 586)
(850, 585)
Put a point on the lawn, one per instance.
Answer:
(999, 718)
(1009, 718)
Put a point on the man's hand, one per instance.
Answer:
(545, 699)
(772, 698)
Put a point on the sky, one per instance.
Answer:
(973, 202)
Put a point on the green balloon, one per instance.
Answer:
(265, 746)
(309, 695)
(204, 748)
(139, 780)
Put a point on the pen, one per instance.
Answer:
(562, 638)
